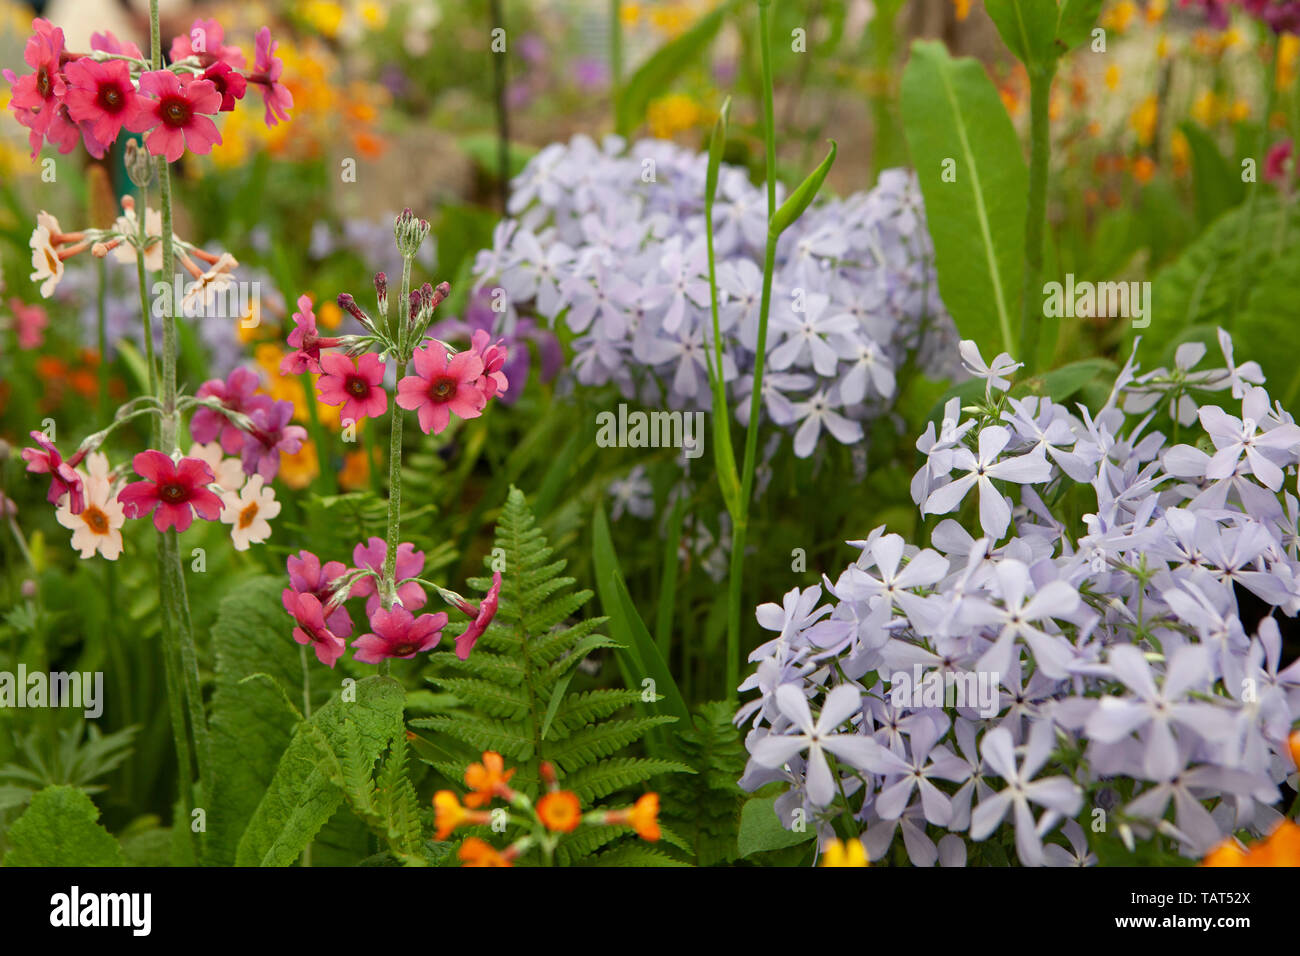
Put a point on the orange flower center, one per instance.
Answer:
(247, 516)
(95, 520)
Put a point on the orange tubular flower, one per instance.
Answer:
(643, 816)
(476, 852)
(487, 779)
(1279, 848)
(559, 811)
(449, 814)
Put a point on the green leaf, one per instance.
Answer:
(953, 113)
(657, 73)
(761, 830)
(1216, 188)
(306, 789)
(61, 828)
(1028, 28)
(1075, 23)
(639, 656)
(250, 726)
(1059, 384)
(1267, 321)
(668, 579)
(788, 213)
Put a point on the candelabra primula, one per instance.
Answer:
(545, 821)
(352, 372)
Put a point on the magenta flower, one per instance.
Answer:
(205, 40)
(482, 617)
(308, 576)
(306, 611)
(237, 393)
(270, 435)
(100, 94)
(306, 341)
(64, 479)
(358, 387)
(493, 356)
(30, 322)
(107, 42)
(409, 565)
(178, 490)
(1275, 163)
(34, 97)
(172, 107)
(229, 83)
(441, 386)
(267, 69)
(397, 633)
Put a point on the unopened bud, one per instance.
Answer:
(410, 232)
(138, 166)
(349, 305)
(381, 293)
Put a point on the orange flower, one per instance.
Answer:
(476, 852)
(559, 811)
(1279, 848)
(642, 816)
(449, 814)
(963, 8)
(355, 473)
(1293, 742)
(1144, 168)
(487, 779)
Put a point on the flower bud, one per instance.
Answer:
(410, 232)
(349, 305)
(138, 166)
(381, 293)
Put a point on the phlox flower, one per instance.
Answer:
(442, 385)
(1234, 437)
(170, 109)
(397, 633)
(357, 386)
(1058, 794)
(817, 738)
(995, 375)
(815, 412)
(248, 512)
(995, 515)
(172, 491)
(98, 526)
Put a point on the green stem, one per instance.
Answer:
(178, 628)
(145, 312)
(615, 50)
(394, 494)
(1040, 149)
(101, 322)
(740, 521)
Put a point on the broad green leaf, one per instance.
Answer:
(761, 829)
(1215, 186)
(955, 121)
(1059, 384)
(1075, 23)
(788, 213)
(656, 74)
(1028, 28)
(61, 828)
(306, 789)
(1269, 320)
(250, 725)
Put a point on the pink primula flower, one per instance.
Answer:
(64, 479)
(172, 108)
(357, 386)
(398, 633)
(100, 95)
(308, 576)
(307, 613)
(409, 565)
(442, 386)
(173, 491)
(482, 617)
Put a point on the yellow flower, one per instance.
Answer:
(1120, 16)
(373, 15)
(1206, 109)
(1288, 46)
(1180, 151)
(631, 13)
(1156, 10)
(849, 853)
(1162, 47)
(1144, 120)
(1239, 111)
(1112, 77)
(301, 469)
(328, 314)
(670, 115)
(963, 8)
(1232, 39)
(355, 473)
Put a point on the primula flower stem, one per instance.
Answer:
(178, 628)
(145, 312)
(389, 584)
